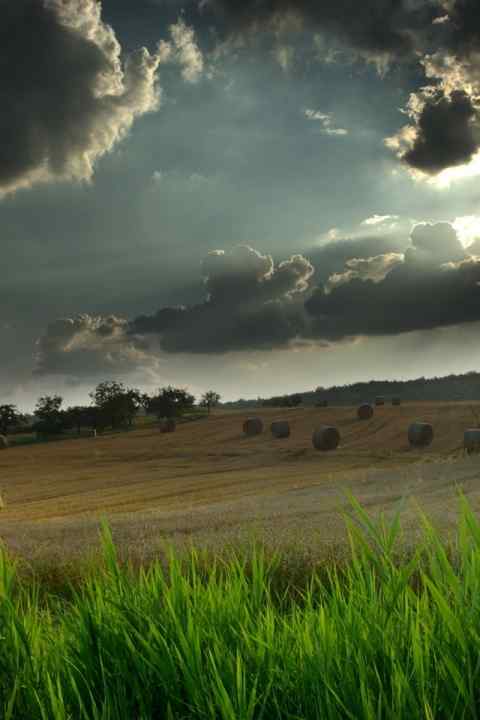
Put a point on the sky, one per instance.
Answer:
(250, 196)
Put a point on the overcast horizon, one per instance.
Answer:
(256, 197)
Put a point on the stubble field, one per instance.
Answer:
(209, 484)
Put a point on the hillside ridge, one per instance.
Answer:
(449, 388)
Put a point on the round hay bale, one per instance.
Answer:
(280, 429)
(3, 442)
(420, 434)
(253, 426)
(168, 425)
(396, 401)
(365, 412)
(379, 400)
(326, 438)
(471, 440)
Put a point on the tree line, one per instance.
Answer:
(450, 388)
(113, 405)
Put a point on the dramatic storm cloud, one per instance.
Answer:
(251, 303)
(275, 116)
(66, 96)
(436, 284)
(446, 132)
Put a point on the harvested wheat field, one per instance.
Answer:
(209, 483)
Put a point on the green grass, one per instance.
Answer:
(384, 634)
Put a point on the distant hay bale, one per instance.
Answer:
(3, 442)
(379, 400)
(471, 440)
(365, 412)
(326, 438)
(396, 401)
(280, 429)
(420, 434)
(253, 426)
(168, 425)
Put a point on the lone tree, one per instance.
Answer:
(171, 402)
(9, 418)
(49, 414)
(210, 399)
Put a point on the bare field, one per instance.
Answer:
(209, 483)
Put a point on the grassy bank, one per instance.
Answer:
(380, 636)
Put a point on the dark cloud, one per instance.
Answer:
(254, 304)
(66, 96)
(212, 329)
(446, 134)
(436, 285)
(463, 27)
(380, 28)
(444, 113)
(433, 245)
(251, 303)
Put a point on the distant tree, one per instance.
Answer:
(9, 418)
(116, 404)
(73, 417)
(79, 416)
(210, 399)
(107, 391)
(132, 402)
(283, 401)
(48, 412)
(171, 402)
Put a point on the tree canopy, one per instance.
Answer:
(171, 402)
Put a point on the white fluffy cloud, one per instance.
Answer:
(373, 268)
(326, 121)
(183, 50)
(380, 220)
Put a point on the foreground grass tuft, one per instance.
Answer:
(379, 636)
